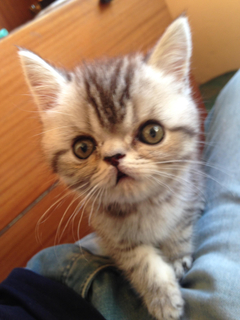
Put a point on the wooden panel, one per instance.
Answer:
(216, 33)
(24, 239)
(79, 29)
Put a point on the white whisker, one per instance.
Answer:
(161, 183)
(43, 132)
(77, 209)
(193, 162)
(90, 214)
(43, 218)
(198, 172)
(86, 200)
(57, 238)
(69, 219)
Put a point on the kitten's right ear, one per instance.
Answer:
(44, 80)
(173, 51)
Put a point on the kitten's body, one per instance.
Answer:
(143, 197)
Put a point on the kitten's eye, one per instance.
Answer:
(83, 148)
(151, 133)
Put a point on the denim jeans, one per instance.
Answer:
(211, 288)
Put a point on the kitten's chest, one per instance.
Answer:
(149, 224)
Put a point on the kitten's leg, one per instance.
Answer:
(178, 249)
(154, 280)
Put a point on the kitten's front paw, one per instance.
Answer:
(166, 303)
(181, 265)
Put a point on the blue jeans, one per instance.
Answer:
(211, 288)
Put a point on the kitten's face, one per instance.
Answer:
(112, 128)
(80, 139)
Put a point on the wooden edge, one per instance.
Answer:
(25, 238)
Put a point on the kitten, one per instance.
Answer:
(124, 132)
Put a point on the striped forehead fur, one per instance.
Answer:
(108, 86)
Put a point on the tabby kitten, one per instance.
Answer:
(124, 133)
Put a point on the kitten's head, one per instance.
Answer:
(113, 127)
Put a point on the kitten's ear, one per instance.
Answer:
(44, 80)
(173, 51)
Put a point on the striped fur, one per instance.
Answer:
(108, 84)
(144, 202)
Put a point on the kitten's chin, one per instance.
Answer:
(128, 191)
(123, 179)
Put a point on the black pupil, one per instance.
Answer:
(84, 147)
(153, 132)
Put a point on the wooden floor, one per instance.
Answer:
(28, 189)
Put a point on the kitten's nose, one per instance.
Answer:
(113, 160)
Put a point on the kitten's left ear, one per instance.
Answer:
(173, 51)
(44, 80)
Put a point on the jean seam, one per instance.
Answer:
(68, 268)
(91, 276)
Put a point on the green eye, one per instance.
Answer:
(151, 133)
(83, 147)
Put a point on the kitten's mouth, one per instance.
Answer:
(120, 176)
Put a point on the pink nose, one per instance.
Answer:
(113, 160)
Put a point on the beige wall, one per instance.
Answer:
(216, 35)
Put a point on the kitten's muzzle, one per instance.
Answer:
(120, 175)
(114, 160)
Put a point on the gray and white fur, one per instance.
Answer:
(142, 198)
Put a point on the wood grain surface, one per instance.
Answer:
(30, 234)
(80, 29)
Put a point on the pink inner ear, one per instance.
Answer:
(49, 101)
(46, 97)
(45, 94)
(173, 51)
(43, 79)
(175, 61)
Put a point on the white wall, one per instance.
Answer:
(216, 35)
